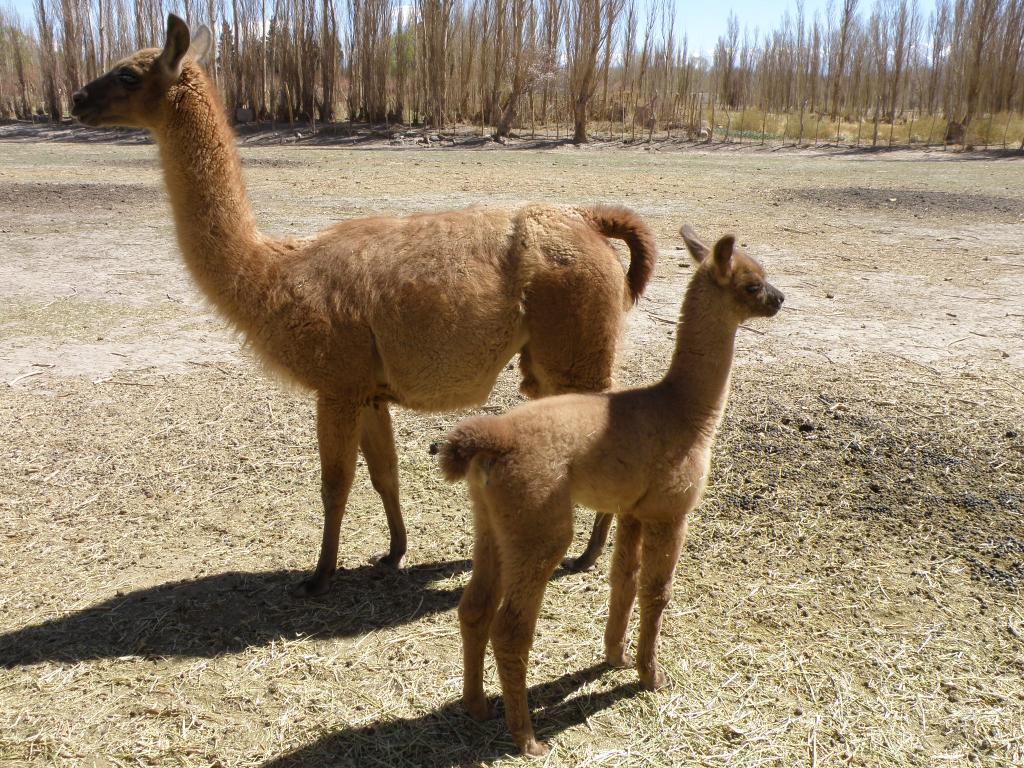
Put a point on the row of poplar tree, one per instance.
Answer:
(509, 63)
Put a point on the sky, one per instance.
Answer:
(704, 22)
(701, 20)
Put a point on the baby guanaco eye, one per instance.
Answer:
(128, 77)
(753, 288)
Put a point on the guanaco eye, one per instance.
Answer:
(753, 288)
(128, 77)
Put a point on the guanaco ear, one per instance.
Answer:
(176, 46)
(202, 47)
(723, 253)
(697, 249)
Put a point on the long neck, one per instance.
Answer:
(216, 230)
(698, 378)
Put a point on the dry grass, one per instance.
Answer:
(997, 131)
(850, 594)
(991, 131)
(851, 588)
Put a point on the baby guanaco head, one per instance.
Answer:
(737, 275)
(134, 93)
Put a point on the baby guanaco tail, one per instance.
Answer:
(622, 224)
(478, 435)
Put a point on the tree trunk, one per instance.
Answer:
(579, 110)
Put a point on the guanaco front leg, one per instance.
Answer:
(377, 443)
(662, 543)
(337, 429)
(625, 569)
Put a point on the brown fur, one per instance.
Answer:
(423, 311)
(642, 455)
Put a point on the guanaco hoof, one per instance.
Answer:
(655, 682)
(579, 564)
(619, 659)
(480, 710)
(314, 586)
(535, 748)
(388, 559)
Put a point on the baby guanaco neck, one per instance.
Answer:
(697, 381)
(216, 229)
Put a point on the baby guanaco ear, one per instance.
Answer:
(723, 253)
(697, 249)
(176, 46)
(202, 46)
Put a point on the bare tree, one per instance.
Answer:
(838, 66)
(585, 22)
(437, 22)
(371, 24)
(1011, 52)
(725, 60)
(48, 62)
(329, 45)
(902, 22)
(520, 23)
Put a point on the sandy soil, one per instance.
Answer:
(851, 593)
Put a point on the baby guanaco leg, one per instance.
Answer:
(527, 564)
(625, 569)
(595, 545)
(337, 428)
(378, 446)
(476, 610)
(662, 543)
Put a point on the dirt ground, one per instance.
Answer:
(851, 590)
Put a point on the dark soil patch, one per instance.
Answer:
(909, 202)
(150, 163)
(272, 162)
(153, 163)
(40, 197)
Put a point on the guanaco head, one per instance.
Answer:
(736, 273)
(134, 93)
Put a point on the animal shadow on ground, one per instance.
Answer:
(229, 612)
(447, 737)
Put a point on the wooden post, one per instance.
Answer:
(764, 123)
(700, 114)
(633, 123)
(874, 135)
